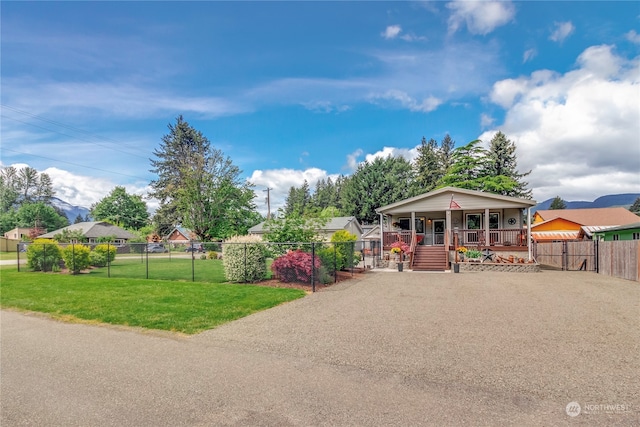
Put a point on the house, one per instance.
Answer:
(435, 223)
(622, 232)
(349, 223)
(577, 224)
(180, 235)
(18, 233)
(96, 231)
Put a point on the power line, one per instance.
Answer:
(74, 137)
(75, 164)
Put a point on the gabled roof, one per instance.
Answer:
(94, 230)
(441, 199)
(182, 230)
(592, 216)
(621, 227)
(334, 224)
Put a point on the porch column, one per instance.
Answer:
(381, 234)
(413, 221)
(529, 234)
(448, 228)
(487, 237)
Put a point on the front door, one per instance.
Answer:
(438, 231)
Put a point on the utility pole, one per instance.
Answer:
(268, 190)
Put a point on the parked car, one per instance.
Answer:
(196, 247)
(156, 248)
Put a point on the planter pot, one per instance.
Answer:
(456, 267)
(400, 266)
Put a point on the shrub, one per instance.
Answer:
(212, 255)
(98, 259)
(108, 251)
(295, 266)
(345, 244)
(76, 258)
(43, 255)
(239, 269)
(331, 258)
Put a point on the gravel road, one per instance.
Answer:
(401, 349)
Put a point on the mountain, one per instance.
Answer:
(608, 201)
(69, 210)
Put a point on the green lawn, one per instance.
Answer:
(11, 255)
(164, 268)
(187, 307)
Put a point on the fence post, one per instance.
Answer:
(193, 263)
(313, 266)
(18, 256)
(335, 263)
(73, 258)
(44, 257)
(244, 272)
(147, 259)
(596, 255)
(108, 260)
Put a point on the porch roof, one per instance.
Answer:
(447, 198)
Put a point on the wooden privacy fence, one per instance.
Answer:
(616, 258)
(620, 259)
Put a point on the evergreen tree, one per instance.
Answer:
(298, 200)
(501, 174)
(78, 219)
(635, 207)
(427, 166)
(380, 182)
(468, 164)
(557, 203)
(198, 186)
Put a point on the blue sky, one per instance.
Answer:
(306, 90)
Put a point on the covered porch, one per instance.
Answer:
(448, 218)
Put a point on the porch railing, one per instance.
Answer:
(496, 237)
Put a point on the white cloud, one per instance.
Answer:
(409, 154)
(633, 37)
(403, 99)
(391, 32)
(578, 131)
(528, 55)
(480, 17)
(280, 181)
(561, 31)
(486, 120)
(352, 159)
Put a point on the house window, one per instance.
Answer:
(405, 223)
(474, 221)
(494, 221)
(616, 237)
(636, 236)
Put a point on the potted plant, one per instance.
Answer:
(398, 248)
(461, 251)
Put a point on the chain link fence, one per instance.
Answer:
(300, 263)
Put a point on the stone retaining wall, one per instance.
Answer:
(491, 266)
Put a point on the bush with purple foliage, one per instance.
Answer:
(295, 266)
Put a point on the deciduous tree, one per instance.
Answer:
(122, 209)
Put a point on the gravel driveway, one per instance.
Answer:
(390, 349)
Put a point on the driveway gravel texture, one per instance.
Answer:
(386, 349)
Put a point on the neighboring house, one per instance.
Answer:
(181, 235)
(349, 223)
(18, 233)
(438, 221)
(577, 224)
(95, 231)
(623, 232)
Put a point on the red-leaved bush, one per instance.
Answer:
(295, 266)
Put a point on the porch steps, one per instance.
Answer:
(430, 258)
